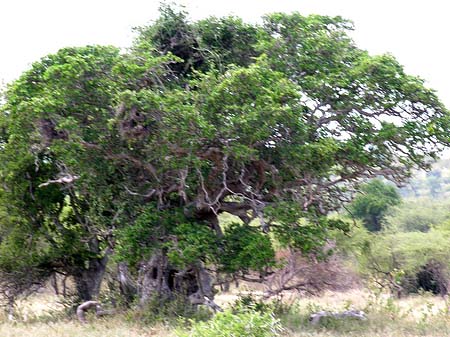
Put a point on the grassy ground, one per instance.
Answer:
(112, 327)
(422, 315)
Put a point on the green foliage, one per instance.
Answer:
(296, 229)
(416, 249)
(279, 121)
(420, 215)
(276, 306)
(195, 242)
(185, 241)
(227, 40)
(246, 248)
(394, 259)
(245, 323)
(171, 34)
(52, 111)
(372, 204)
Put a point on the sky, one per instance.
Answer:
(414, 31)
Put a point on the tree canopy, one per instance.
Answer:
(372, 205)
(139, 152)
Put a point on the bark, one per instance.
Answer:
(159, 279)
(64, 286)
(204, 282)
(86, 306)
(54, 284)
(88, 280)
(10, 308)
(213, 305)
(126, 285)
(154, 278)
(83, 308)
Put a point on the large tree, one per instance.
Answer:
(141, 152)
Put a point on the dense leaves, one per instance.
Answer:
(372, 205)
(141, 151)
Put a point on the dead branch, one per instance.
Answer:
(83, 308)
(68, 179)
(213, 305)
(357, 314)
(307, 274)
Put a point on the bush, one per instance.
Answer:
(243, 323)
(433, 277)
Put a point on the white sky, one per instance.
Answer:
(415, 31)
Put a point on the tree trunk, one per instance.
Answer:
(54, 283)
(154, 278)
(161, 280)
(88, 280)
(64, 286)
(10, 308)
(204, 286)
(126, 284)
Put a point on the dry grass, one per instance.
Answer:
(41, 316)
(420, 315)
(378, 333)
(423, 315)
(113, 327)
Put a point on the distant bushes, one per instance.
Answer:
(403, 262)
(418, 215)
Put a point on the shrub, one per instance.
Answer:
(243, 323)
(433, 277)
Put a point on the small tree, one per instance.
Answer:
(373, 203)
